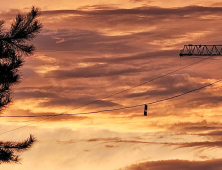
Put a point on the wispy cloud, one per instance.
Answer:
(177, 164)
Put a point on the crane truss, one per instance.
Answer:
(201, 50)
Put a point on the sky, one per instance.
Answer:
(89, 50)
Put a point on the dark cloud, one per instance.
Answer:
(177, 164)
(96, 51)
(51, 116)
(109, 146)
(83, 40)
(181, 11)
(146, 10)
(66, 142)
(135, 142)
(93, 71)
(177, 84)
(147, 1)
(170, 85)
(152, 20)
(209, 100)
(118, 140)
(34, 94)
(121, 48)
(215, 134)
(78, 102)
(52, 88)
(195, 127)
(132, 58)
(205, 144)
(164, 20)
(111, 142)
(115, 141)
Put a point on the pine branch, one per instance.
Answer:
(12, 47)
(23, 29)
(7, 156)
(19, 146)
(8, 149)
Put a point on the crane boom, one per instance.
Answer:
(201, 50)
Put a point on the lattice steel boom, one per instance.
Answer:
(201, 50)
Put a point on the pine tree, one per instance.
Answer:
(13, 49)
(8, 150)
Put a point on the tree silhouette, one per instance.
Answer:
(13, 48)
(8, 150)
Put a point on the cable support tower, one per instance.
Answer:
(201, 50)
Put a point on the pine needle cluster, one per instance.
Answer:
(13, 48)
(8, 150)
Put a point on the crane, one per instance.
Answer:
(201, 50)
(195, 50)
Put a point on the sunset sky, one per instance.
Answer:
(88, 50)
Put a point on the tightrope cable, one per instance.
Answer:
(121, 108)
(65, 113)
(164, 75)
